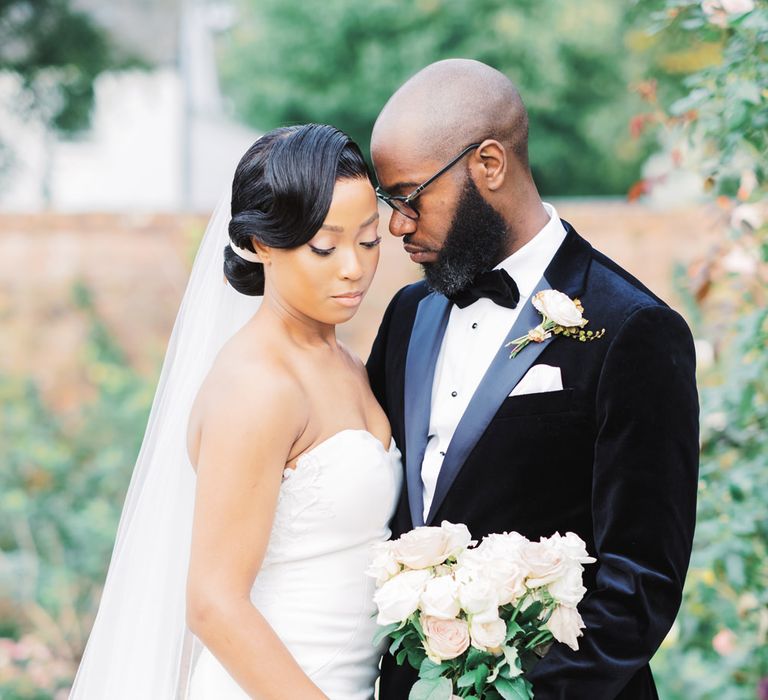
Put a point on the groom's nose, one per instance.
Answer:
(400, 225)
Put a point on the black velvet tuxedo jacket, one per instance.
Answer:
(613, 457)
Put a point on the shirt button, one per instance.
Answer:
(454, 394)
(474, 325)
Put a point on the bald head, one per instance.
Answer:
(450, 104)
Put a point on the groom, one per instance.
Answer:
(596, 436)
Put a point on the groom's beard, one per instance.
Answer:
(474, 244)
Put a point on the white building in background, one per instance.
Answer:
(160, 140)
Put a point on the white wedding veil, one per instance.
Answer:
(140, 647)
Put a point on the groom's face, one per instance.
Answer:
(457, 235)
(423, 237)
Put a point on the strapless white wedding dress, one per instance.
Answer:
(311, 587)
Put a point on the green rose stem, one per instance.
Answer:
(543, 331)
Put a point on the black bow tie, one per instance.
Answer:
(495, 285)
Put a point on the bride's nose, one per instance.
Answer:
(350, 267)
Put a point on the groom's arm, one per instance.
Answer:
(644, 504)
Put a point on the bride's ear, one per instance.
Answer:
(261, 250)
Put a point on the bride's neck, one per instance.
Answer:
(299, 328)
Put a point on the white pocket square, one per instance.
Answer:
(538, 379)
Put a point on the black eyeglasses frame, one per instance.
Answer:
(403, 204)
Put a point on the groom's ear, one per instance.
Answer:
(490, 167)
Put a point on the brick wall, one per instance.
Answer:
(137, 269)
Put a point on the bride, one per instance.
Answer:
(268, 469)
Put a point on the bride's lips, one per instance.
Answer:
(419, 255)
(349, 299)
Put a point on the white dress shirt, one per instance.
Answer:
(472, 339)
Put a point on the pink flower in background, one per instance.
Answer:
(738, 7)
(747, 216)
(718, 11)
(724, 642)
(762, 689)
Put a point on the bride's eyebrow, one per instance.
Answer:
(370, 220)
(340, 229)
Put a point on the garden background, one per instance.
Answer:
(120, 123)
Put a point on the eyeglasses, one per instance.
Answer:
(404, 203)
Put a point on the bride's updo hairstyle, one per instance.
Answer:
(282, 191)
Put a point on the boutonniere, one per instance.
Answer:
(561, 316)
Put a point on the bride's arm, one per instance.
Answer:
(247, 433)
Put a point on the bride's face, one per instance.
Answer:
(327, 278)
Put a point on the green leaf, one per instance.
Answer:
(481, 677)
(385, 632)
(467, 679)
(475, 657)
(515, 689)
(429, 669)
(512, 629)
(416, 656)
(396, 644)
(530, 613)
(431, 689)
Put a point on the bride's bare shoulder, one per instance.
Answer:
(252, 380)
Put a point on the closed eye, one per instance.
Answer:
(321, 251)
(371, 244)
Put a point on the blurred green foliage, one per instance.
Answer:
(289, 61)
(63, 479)
(56, 52)
(718, 648)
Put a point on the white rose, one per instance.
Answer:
(566, 624)
(568, 589)
(558, 307)
(445, 639)
(458, 537)
(503, 565)
(488, 636)
(399, 597)
(572, 547)
(420, 548)
(544, 562)
(429, 546)
(441, 598)
(478, 598)
(383, 565)
(508, 576)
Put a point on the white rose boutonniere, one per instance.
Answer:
(561, 315)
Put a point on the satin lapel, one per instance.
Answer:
(500, 378)
(423, 350)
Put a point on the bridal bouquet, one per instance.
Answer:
(474, 619)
